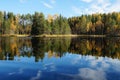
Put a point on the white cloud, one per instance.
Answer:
(87, 1)
(77, 10)
(96, 9)
(114, 7)
(47, 5)
(100, 6)
(52, 1)
(97, 6)
(22, 1)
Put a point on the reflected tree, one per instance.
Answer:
(10, 47)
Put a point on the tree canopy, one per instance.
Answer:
(37, 24)
(107, 24)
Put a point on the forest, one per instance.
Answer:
(38, 23)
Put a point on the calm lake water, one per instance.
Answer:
(59, 58)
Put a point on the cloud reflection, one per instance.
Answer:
(90, 74)
(11, 73)
(94, 68)
(49, 67)
(20, 71)
(37, 77)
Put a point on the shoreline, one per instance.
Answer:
(70, 35)
(44, 35)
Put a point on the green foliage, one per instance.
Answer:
(61, 26)
(37, 24)
(6, 27)
(58, 25)
(107, 24)
(1, 21)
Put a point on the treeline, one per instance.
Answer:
(51, 25)
(37, 24)
(15, 24)
(108, 24)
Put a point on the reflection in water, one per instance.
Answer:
(60, 58)
(37, 76)
(57, 47)
(109, 47)
(54, 47)
(91, 74)
(12, 46)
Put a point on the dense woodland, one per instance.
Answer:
(108, 24)
(37, 24)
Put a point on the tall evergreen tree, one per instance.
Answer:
(38, 24)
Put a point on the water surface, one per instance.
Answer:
(59, 58)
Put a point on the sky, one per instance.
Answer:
(67, 8)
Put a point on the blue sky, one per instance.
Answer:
(67, 8)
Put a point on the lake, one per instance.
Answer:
(67, 58)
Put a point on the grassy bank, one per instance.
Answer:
(24, 35)
(45, 35)
(14, 35)
(71, 35)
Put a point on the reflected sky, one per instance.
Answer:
(59, 59)
(68, 67)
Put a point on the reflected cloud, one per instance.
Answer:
(96, 68)
(37, 76)
(101, 62)
(50, 67)
(11, 73)
(90, 61)
(20, 71)
(90, 74)
(77, 59)
(48, 64)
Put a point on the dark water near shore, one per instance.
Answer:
(59, 58)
